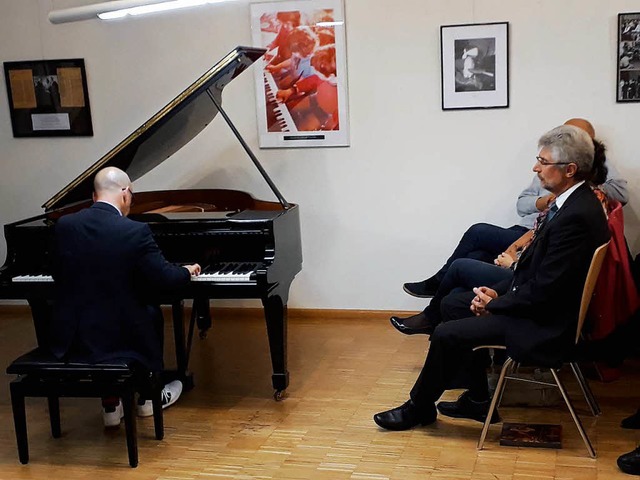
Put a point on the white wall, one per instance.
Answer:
(389, 208)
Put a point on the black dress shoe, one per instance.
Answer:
(464, 407)
(422, 324)
(424, 289)
(632, 422)
(630, 462)
(405, 416)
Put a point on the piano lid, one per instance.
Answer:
(167, 131)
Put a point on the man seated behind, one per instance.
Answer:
(535, 314)
(106, 268)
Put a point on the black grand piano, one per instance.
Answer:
(248, 248)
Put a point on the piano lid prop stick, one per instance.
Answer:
(255, 161)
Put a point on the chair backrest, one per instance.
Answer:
(590, 284)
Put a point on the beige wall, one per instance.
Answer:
(386, 210)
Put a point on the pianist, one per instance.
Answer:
(106, 269)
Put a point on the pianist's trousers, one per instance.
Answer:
(452, 363)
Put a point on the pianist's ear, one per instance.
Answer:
(93, 197)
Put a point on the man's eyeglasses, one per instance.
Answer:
(544, 161)
(130, 191)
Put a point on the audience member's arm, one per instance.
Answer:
(513, 250)
(533, 199)
(615, 187)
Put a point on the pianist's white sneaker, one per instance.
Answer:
(112, 418)
(170, 394)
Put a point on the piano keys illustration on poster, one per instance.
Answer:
(301, 81)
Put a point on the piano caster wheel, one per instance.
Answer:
(278, 395)
(202, 335)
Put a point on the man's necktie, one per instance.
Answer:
(553, 209)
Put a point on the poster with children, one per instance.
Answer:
(301, 82)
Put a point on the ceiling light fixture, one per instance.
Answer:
(121, 8)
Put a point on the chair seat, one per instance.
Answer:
(41, 361)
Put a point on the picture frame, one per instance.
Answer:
(628, 55)
(301, 82)
(48, 98)
(474, 62)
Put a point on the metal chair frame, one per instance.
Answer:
(511, 365)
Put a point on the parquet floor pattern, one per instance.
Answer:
(343, 370)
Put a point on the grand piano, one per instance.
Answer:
(248, 248)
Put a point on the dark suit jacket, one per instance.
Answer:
(545, 295)
(105, 265)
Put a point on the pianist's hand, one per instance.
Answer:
(194, 269)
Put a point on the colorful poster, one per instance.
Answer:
(301, 82)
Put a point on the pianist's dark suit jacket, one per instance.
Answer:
(106, 267)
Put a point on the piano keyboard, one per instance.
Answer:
(219, 273)
(280, 110)
(227, 273)
(32, 278)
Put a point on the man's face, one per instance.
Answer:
(552, 177)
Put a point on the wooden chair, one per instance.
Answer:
(40, 374)
(510, 365)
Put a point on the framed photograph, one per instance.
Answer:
(48, 98)
(628, 85)
(475, 65)
(301, 82)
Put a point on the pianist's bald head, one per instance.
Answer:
(112, 185)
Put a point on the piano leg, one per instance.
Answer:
(41, 311)
(203, 318)
(275, 312)
(177, 311)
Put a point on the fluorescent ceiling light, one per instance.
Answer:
(121, 8)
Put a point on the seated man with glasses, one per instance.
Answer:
(534, 315)
(107, 269)
(485, 242)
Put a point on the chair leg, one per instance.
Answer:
(54, 416)
(576, 419)
(586, 389)
(494, 401)
(20, 421)
(130, 427)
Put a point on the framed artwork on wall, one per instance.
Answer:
(48, 98)
(475, 65)
(628, 54)
(301, 82)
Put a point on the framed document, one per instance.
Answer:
(301, 83)
(48, 98)
(475, 66)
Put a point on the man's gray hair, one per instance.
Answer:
(569, 144)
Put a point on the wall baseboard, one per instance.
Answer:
(20, 307)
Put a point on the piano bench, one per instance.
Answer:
(40, 374)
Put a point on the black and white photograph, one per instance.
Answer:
(474, 66)
(628, 57)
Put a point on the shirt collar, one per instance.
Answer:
(560, 199)
(109, 203)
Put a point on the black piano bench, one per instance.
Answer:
(40, 374)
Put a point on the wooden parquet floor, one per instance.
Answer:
(343, 370)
